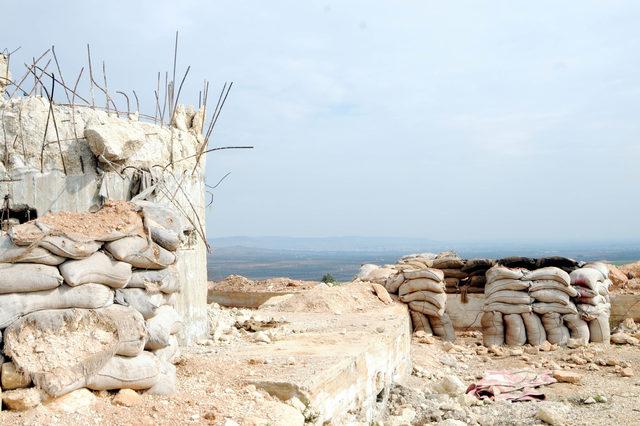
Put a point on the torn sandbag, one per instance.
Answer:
(87, 296)
(13, 253)
(28, 277)
(122, 372)
(131, 328)
(164, 223)
(59, 348)
(97, 268)
(162, 326)
(157, 280)
(140, 252)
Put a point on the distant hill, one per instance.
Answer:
(347, 243)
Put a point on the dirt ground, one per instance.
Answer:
(280, 284)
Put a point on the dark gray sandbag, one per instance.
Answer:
(59, 348)
(123, 372)
(473, 265)
(162, 280)
(578, 328)
(13, 253)
(563, 263)
(557, 333)
(518, 262)
(130, 326)
(140, 253)
(88, 296)
(492, 329)
(454, 273)
(439, 300)
(514, 332)
(141, 300)
(420, 322)
(165, 323)
(426, 308)
(599, 331)
(536, 335)
(97, 268)
(449, 262)
(421, 284)
(28, 277)
(443, 327)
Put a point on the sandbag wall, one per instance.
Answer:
(86, 300)
(534, 306)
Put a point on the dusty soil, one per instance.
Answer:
(240, 283)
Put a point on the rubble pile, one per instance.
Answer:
(87, 300)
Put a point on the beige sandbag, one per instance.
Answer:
(455, 273)
(498, 272)
(429, 273)
(515, 334)
(420, 322)
(140, 252)
(599, 331)
(121, 372)
(492, 329)
(509, 296)
(12, 253)
(38, 233)
(549, 273)
(586, 277)
(553, 285)
(393, 282)
(591, 312)
(542, 308)
(141, 300)
(375, 273)
(164, 223)
(166, 383)
(600, 267)
(165, 323)
(59, 348)
(421, 284)
(171, 352)
(130, 326)
(28, 277)
(506, 308)
(452, 282)
(426, 308)
(443, 327)
(595, 300)
(506, 284)
(439, 300)
(88, 296)
(551, 296)
(536, 335)
(578, 328)
(557, 333)
(449, 262)
(97, 268)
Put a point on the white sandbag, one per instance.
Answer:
(578, 328)
(140, 252)
(551, 296)
(591, 312)
(421, 284)
(165, 323)
(420, 322)
(59, 348)
(514, 332)
(498, 272)
(426, 308)
(141, 300)
(549, 273)
(553, 285)
(443, 327)
(166, 383)
(121, 372)
(87, 296)
(594, 300)
(541, 308)
(28, 277)
(164, 223)
(38, 233)
(509, 296)
(366, 270)
(599, 331)
(12, 253)
(492, 329)
(586, 277)
(429, 273)
(506, 308)
(536, 335)
(557, 333)
(97, 268)
(506, 284)
(161, 280)
(393, 282)
(171, 352)
(439, 300)
(600, 267)
(130, 326)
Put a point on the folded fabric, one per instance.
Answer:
(511, 385)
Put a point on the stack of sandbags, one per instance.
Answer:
(592, 284)
(388, 276)
(451, 266)
(59, 277)
(551, 291)
(476, 270)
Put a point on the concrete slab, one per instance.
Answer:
(242, 299)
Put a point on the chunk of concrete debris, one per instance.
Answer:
(589, 401)
(563, 376)
(626, 372)
(452, 385)
(624, 339)
(11, 378)
(550, 416)
(261, 337)
(22, 399)
(114, 141)
(74, 402)
(127, 398)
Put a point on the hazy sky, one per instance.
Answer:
(456, 120)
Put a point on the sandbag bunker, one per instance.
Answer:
(527, 300)
(87, 300)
